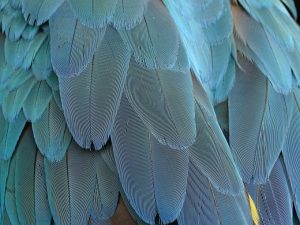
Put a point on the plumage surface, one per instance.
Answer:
(89, 113)
(257, 139)
(169, 115)
(140, 112)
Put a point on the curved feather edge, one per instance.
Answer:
(256, 139)
(51, 133)
(71, 51)
(273, 199)
(149, 49)
(163, 99)
(91, 100)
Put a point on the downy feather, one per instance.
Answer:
(71, 51)
(168, 114)
(91, 100)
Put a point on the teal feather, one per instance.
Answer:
(37, 101)
(91, 100)
(52, 81)
(10, 193)
(269, 57)
(4, 171)
(87, 15)
(71, 51)
(273, 199)
(21, 53)
(10, 133)
(24, 178)
(42, 210)
(38, 12)
(128, 13)
(14, 101)
(291, 151)
(41, 65)
(168, 114)
(149, 49)
(16, 78)
(155, 181)
(257, 138)
(51, 133)
(30, 32)
(107, 188)
(210, 152)
(70, 185)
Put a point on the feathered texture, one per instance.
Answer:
(273, 199)
(37, 101)
(10, 133)
(39, 11)
(91, 100)
(210, 153)
(168, 114)
(143, 76)
(291, 151)
(155, 180)
(149, 49)
(51, 133)
(256, 138)
(71, 51)
(268, 56)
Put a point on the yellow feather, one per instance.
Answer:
(254, 212)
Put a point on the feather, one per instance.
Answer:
(51, 133)
(70, 185)
(149, 49)
(30, 32)
(292, 7)
(42, 210)
(16, 78)
(4, 170)
(10, 134)
(10, 193)
(71, 51)
(91, 100)
(291, 151)
(221, 92)
(41, 65)
(37, 12)
(37, 101)
(273, 199)
(106, 194)
(128, 13)
(154, 182)
(24, 178)
(94, 14)
(257, 138)
(52, 81)
(211, 153)
(164, 101)
(14, 101)
(6, 220)
(16, 27)
(205, 205)
(272, 61)
(21, 53)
